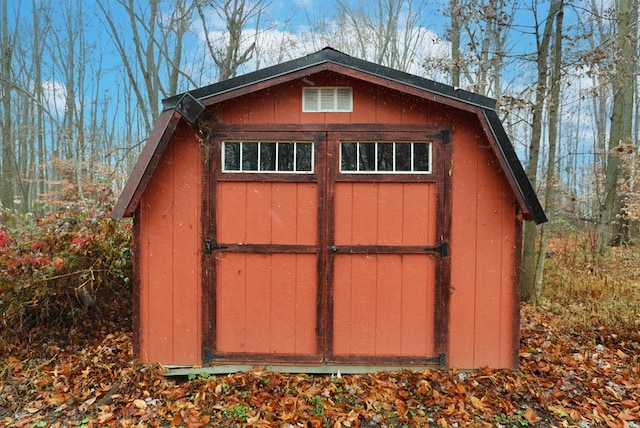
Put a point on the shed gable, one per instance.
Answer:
(341, 64)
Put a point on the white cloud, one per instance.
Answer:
(55, 96)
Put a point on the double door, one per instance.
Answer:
(326, 247)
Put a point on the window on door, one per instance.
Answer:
(401, 157)
(267, 156)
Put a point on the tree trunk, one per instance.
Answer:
(620, 132)
(529, 253)
(454, 38)
(6, 186)
(554, 113)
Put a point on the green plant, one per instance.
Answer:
(318, 405)
(82, 423)
(237, 412)
(518, 419)
(202, 374)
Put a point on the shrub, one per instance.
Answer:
(69, 268)
(591, 290)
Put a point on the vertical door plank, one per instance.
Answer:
(391, 214)
(258, 215)
(258, 303)
(232, 209)
(231, 295)
(418, 283)
(389, 292)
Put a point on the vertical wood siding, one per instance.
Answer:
(266, 303)
(383, 303)
(482, 249)
(267, 213)
(483, 255)
(170, 265)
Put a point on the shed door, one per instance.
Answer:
(386, 245)
(265, 197)
(333, 255)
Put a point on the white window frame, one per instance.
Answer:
(259, 171)
(376, 171)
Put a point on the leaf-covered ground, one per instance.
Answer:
(567, 378)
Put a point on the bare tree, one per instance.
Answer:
(454, 38)
(529, 253)
(387, 32)
(232, 48)
(553, 136)
(478, 35)
(151, 50)
(6, 187)
(620, 131)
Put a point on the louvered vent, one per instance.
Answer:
(327, 99)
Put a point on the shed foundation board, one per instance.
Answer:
(322, 369)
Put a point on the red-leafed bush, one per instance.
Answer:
(68, 268)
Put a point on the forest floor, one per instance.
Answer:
(567, 377)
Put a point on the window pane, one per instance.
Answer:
(267, 156)
(310, 97)
(403, 156)
(232, 156)
(303, 156)
(367, 156)
(249, 156)
(327, 96)
(385, 156)
(421, 154)
(349, 156)
(285, 157)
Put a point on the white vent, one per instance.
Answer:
(327, 99)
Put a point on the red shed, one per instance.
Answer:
(328, 213)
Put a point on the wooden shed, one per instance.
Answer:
(325, 214)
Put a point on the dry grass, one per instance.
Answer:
(590, 290)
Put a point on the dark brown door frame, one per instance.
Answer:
(326, 142)
(213, 249)
(441, 162)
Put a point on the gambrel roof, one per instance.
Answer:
(329, 59)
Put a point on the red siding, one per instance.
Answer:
(383, 303)
(482, 251)
(482, 247)
(371, 104)
(266, 303)
(267, 213)
(170, 267)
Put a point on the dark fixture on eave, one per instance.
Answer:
(189, 108)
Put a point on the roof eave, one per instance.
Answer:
(146, 164)
(517, 177)
(329, 55)
(331, 59)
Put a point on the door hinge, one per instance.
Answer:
(210, 247)
(442, 249)
(440, 360)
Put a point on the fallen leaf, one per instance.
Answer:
(477, 403)
(530, 415)
(140, 404)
